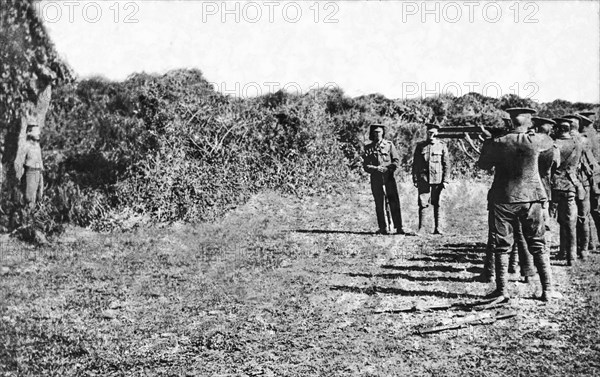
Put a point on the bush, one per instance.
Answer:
(171, 148)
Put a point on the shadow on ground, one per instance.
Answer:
(326, 231)
(371, 290)
(413, 278)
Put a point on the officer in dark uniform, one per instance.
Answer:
(565, 186)
(517, 194)
(380, 160)
(430, 170)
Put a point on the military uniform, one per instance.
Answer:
(32, 181)
(566, 186)
(430, 172)
(517, 195)
(588, 175)
(383, 184)
(592, 137)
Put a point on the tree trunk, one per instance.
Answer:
(32, 112)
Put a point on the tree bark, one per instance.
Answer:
(32, 112)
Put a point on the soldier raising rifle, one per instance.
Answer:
(517, 194)
(566, 186)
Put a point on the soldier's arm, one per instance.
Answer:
(367, 167)
(445, 164)
(487, 156)
(394, 158)
(589, 164)
(416, 164)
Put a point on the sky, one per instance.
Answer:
(543, 50)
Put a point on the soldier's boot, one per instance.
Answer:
(513, 259)
(501, 276)
(489, 268)
(436, 220)
(542, 264)
(590, 245)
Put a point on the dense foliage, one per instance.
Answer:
(171, 148)
(27, 58)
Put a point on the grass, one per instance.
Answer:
(284, 287)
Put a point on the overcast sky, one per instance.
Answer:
(403, 49)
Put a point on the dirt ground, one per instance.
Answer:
(287, 286)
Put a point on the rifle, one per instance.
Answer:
(457, 132)
(472, 320)
(387, 209)
(478, 305)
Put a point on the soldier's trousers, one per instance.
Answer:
(429, 194)
(583, 222)
(383, 185)
(530, 215)
(520, 253)
(567, 219)
(595, 212)
(32, 179)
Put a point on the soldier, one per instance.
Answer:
(587, 130)
(489, 271)
(32, 181)
(565, 188)
(517, 194)
(548, 160)
(589, 174)
(430, 172)
(381, 160)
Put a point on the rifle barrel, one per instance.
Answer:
(451, 136)
(445, 130)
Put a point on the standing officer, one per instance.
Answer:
(589, 175)
(381, 160)
(587, 130)
(430, 172)
(565, 188)
(33, 181)
(517, 194)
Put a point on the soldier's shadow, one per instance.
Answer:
(327, 231)
(464, 247)
(433, 268)
(408, 277)
(372, 290)
(450, 258)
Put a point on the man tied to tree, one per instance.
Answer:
(517, 194)
(589, 175)
(566, 186)
(32, 181)
(430, 172)
(381, 160)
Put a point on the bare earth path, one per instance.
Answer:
(286, 287)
